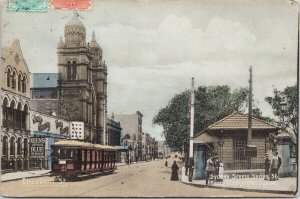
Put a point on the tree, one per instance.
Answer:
(289, 115)
(211, 104)
(256, 112)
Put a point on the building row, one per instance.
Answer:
(38, 109)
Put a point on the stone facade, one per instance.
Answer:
(82, 80)
(15, 133)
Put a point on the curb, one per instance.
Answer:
(46, 174)
(240, 189)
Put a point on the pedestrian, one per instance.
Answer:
(186, 165)
(221, 172)
(267, 167)
(175, 168)
(166, 163)
(216, 167)
(209, 170)
(275, 165)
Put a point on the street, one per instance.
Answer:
(142, 179)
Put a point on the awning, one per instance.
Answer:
(205, 138)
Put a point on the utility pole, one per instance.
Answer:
(250, 109)
(191, 151)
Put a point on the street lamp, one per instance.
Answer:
(283, 106)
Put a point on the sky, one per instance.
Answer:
(153, 48)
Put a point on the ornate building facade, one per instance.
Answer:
(82, 80)
(15, 95)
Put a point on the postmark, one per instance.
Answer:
(71, 4)
(28, 5)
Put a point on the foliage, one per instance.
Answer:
(211, 104)
(289, 115)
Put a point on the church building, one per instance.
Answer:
(82, 80)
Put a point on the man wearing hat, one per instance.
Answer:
(267, 167)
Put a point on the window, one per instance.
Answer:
(5, 146)
(8, 78)
(71, 70)
(13, 85)
(24, 85)
(25, 148)
(12, 146)
(240, 144)
(19, 146)
(19, 82)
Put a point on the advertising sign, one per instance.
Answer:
(37, 147)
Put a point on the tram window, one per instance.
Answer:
(71, 153)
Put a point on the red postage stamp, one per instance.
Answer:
(71, 4)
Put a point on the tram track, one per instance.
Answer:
(104, 185)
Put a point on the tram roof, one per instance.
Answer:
(75, 143)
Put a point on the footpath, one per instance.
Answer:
(23, 174)
(287, 185)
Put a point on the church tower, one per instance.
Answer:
(81, 83)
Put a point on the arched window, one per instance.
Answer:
(74, 69)
(71, 70)
(4, 111)
(13, 85)
(19, 146)
(25, 148)
(24, 117)
(24, 84)
(5, 146)
(18, 115)
(19, 82)
(12, 146)
(8, 78)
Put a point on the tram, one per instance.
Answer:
(72, 159)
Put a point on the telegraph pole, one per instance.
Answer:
(250, 109)
(191, 151)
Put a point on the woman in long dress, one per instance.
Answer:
(175, 168)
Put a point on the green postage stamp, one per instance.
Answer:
(28, 5)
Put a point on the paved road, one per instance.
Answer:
(145, 179)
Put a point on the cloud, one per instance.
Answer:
(175, 40)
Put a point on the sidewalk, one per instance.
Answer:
(23, 174)
(286, 185)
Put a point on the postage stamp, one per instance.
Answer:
(28, 5)
(71, 4)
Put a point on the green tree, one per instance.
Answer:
(290, 113)
(211, 104)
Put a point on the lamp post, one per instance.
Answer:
(283, 106)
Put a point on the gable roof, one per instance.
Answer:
(238, 120)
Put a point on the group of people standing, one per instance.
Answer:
(272, 166)
(214, 169)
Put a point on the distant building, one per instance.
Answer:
(15, 96)
(113, 132)
(132, 128)
(77, 130)
(163, 149)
